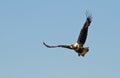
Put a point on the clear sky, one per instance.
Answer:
(25, 24)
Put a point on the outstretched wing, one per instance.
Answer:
(83, 33)
(63, 46)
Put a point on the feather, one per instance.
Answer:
(84, 31)
(62, 46)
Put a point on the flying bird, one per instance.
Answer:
(78, 46)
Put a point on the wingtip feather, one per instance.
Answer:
(88, 15)
(45, 44)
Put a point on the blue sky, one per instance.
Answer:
(25, 24)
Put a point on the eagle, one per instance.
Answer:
(78, 46)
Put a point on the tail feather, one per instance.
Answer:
(85, 50)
